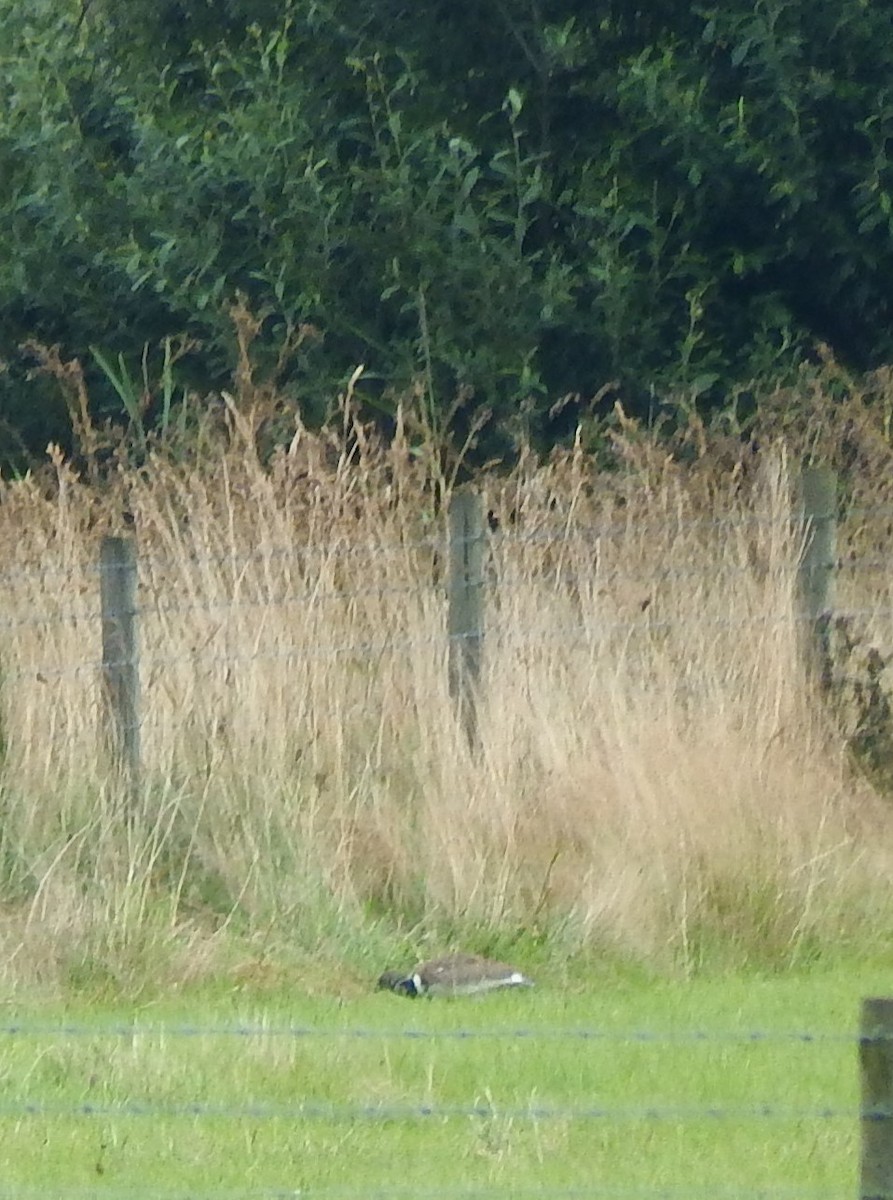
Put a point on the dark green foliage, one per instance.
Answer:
(500, 203)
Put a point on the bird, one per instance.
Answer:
(453, 975)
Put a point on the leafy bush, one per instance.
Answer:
(495, 206)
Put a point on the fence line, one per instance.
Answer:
(874, 1112)
(601, 576)
(534, 635)
(423, 1112)
(313, 596)
(621, 1036)
(447, 1192)
(498, 549)
(243, 558)
(467, 634)
(439, 542)
(290, 599)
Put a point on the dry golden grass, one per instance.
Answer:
(655, 774)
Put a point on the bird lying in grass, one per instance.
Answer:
(454, 975)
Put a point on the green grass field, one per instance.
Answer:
(366, 1127)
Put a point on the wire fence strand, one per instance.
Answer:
(434, 1112)
(709, 1037)
(571, 632)
(595, 1191)
(563, 532)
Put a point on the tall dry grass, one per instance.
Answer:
(656, 776)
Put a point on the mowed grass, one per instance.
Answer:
(395, 1101)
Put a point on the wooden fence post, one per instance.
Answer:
(818, 566)
(876, 1070)
(120, 656)
(466, 606)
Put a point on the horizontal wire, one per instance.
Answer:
(316, 550)
(869, 565)
(143, 610)
(501, 554)
(240, 559)
(650, 1036)
(506, 632)
(603, 577)
(600, 578)
(317, 596)
(596, 533)
(288, 655)
(425, 1112)
(439, 542)
(447, 1192)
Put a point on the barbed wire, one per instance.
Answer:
(557, 1033)
(309, 1111)
(563, 533)
(504, 632)
(241, 558)
(313, 597)
(594, 1191)
(600, 577)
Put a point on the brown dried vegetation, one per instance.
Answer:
(656, 776)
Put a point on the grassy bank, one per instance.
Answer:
(657, 780)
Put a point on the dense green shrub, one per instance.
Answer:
(499, 203)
